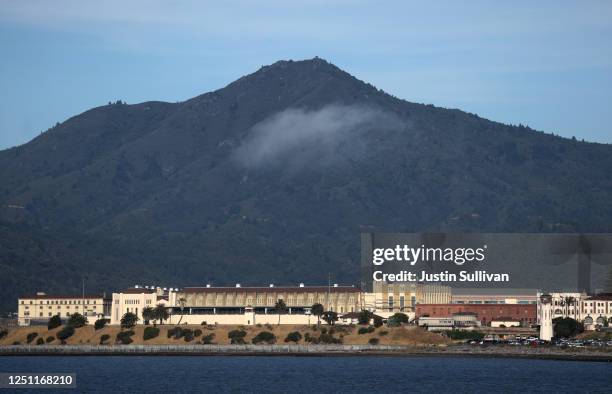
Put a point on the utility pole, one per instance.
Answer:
(83, 294)
(328, 289)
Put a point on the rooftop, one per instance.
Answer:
(601, 297)
(468, 291)
(138, 290)
(39, 296)
(274, 289)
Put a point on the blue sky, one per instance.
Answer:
(546, 64)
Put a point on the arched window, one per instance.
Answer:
(600, 320)
(588, 320)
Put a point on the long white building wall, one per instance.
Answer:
(246, 319)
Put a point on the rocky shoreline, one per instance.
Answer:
(548, 353)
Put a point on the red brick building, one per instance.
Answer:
(525, 313)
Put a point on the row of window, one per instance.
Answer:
(50, 314)
(60, 302)
(26, 307)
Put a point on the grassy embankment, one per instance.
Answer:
(348, 334)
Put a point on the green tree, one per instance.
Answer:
(148, 314)
(397, 319)
(207, 339)
(77, 320)
(364, 317)
(265, 337)
(129, 320)
(150, 333)
(293, 336)
(65, 333)
(125, 337)
(236, 336)
(317, 310)
(100, 323)
(54, 322)
(330, 317)
(31, 336)
(161, 313)
(281, 309)
(566, 327)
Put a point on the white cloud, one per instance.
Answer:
(297, 137)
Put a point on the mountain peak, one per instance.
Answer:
(299, 79)
(300, 67)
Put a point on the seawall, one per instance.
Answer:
(550, 353)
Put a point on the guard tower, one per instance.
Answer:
(546, 327)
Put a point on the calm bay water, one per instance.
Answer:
(320, 374)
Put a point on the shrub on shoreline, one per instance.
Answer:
(65, 333)
(31, 336)
(125, 337)
(294, 337)
(207, 339)
(187, 335)
(237, 337)
(464, 335)
(365, 330)
(150, 333)
(100, 323)
(54, 322)
(77, 320)
(264, 337)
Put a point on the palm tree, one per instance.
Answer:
(182, 303)
(330, 317)
(161, 313)
(317, 310)
(148, 313)
(568, 303)
(280, 308)
(571, 302)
